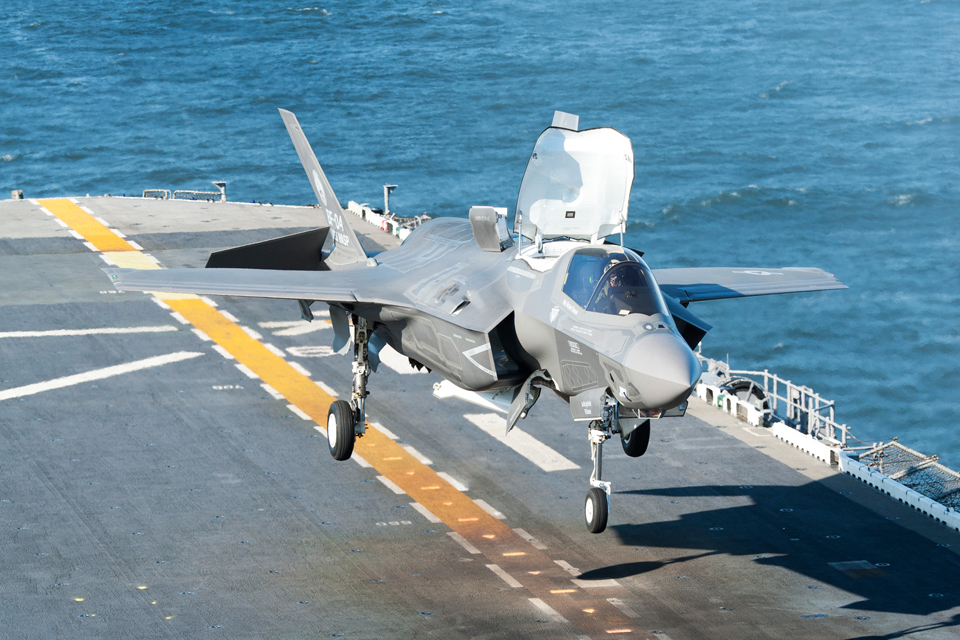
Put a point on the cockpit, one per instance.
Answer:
(613, 283)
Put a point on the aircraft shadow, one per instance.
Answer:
(801, 529)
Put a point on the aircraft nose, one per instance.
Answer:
(663, 371)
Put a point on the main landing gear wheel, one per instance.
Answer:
(635, 444)
(341, 430)
(595, 510)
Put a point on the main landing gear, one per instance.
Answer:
(346, 421)
(596, 507)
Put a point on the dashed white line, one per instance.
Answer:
(537, 544)
(116, 231)
(179, 318)
(250, 332)
(85, 332)
(596, 584)
(108, 260)
(58, 221)
(568, 568)
(324, 432)
(89, 245)
(483, 504)
(226, 354)
(382, 429)
(97, 374)
(390, 484)
(245, 370)
(275, 351)
(506, 577)
(134, 245)
(326, 388)
(456, 484)
(299, 368)
(160, 303)
(273, 392)
(229, 316)
(299, 412)
(425, 513)
(547, 609)
(208, 301)
(627, 611)
(75, 234)
(522, 442)
(416, 454)
(463, 542)
(360, 461)
(95, 217)
(201, 335)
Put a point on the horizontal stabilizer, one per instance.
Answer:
(296, 252)
(716, 283)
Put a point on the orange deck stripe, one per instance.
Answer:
(86, 225)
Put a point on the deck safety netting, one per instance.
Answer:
(916, 471)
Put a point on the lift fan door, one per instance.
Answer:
(577, 185)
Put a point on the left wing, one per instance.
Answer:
(716, 283)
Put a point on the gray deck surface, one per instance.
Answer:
(190, 480)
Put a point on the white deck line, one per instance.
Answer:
(245, 370)
(456, 484)
(226, 354)
(506, 577)
(96, 374)
(422, 510)
(522, 442)
(297, 410)
(382, 429)
(620, 604)
(547, 609)
(537, 544)
(389, 484)
(299, 368)
(273, 392)
(486, 506)
(416, 454)
(56, 333)
(463, 542)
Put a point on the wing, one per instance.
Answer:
(327, 286)
(715, 283)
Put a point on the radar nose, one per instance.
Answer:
(663, 371)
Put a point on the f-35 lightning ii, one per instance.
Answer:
(555, 305)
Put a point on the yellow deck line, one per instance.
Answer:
(86, 225)
(492, 537)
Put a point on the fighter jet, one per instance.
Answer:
(559, 304)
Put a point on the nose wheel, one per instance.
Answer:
(595, 509)
(597, 505)
(346, 421)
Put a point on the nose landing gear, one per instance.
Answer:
(597, 505)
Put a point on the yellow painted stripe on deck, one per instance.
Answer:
(86, 225)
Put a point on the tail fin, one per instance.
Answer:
(346, 247)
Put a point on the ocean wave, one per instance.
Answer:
(777, 89)
(9, 157)
(322, 12)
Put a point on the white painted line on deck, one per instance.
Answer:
(318, 351)
(329, 391)
(119, 234)
(75, 234)
(506, 577)
(463, 542)
(209, 301)
(324, 432)
(299, 368)
(547, 609)
(151, 258)
(95, 217)
(160, 303)
(568, 568)
(382, 429)
(226, 354)
(245, 370)
(297, 410)
(134, 245)
(416, 454)
(536, 542)
(229, 316)
(456, 484)
(201, 335)
(360, 461)
(88, 245)
(179, 318)
(57, 333)
(596, 584)
(391, 485)
(58, 220)
(483, 504)
(97, 374)
(250, 332)
(273, 392)
(759, 433)
(627, 611)
(425, 512)
(275, 351)
(108, 260)
(522, 442)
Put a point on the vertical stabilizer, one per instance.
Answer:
(346, 249)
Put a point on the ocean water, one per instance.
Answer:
(795, 133)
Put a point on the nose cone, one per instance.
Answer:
(662, 370)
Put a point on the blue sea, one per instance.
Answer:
(791, 133)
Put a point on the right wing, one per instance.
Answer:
(325, 286)
(716, 283)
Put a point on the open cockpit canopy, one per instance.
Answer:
(577, 183)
